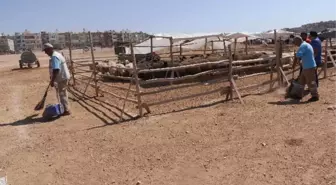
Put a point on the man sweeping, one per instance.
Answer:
(305, 53)
(59, 74)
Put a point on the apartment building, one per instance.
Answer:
(58, 40)
(6, 45)
(28, 41)
(80, 39)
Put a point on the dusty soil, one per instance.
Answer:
(259, 143)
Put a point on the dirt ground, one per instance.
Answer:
(259, 143)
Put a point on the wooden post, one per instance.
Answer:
(180, 49)
(151, 44)
(235, 47)
(205, 46)
(171, 56)
(277, 59)
(233, 85)
(330, 43)
(123, 109)
(325, 65)
(71, 62)
(94, 64)
(230, 74)
(224, 47)
(275, 39)
(246, 40)
(271, 76)
(212, 47)
(171, 50)
(280, 61)
(137, 83)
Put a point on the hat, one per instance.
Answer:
(46, 46)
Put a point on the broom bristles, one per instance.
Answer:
(40, 104)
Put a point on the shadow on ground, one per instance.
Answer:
(100, 109)
(33, 119)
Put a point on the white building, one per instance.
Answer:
(28, 41)
(6, 45)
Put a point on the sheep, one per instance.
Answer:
(120, 69)
(129, 69)
(112, 68)
(100, 67)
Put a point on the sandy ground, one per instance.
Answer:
(260, 143)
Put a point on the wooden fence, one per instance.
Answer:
(227, 74)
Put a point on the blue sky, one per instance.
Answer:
(158, 16)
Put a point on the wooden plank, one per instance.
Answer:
(93, 63)
(185, 86)
(246, 40)
(124, 104)
(224, 47)
(205, 46)
(82, 70)
(186, 97)
(87, 85)
(332, 58)
(271, 77)
(236, 90)
(183, 67)
(82, 65)
(284, 76)
(187, 77)
(116, 77)
(71, 61)
(171, 50)
(151, 44)
(230, 72)
(235, 47)
(325, 66)
(277, 47)
(136, 79)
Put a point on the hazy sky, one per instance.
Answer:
(158, 16)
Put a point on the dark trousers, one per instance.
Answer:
(316, 76)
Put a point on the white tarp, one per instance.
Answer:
(241, 37)
(164, 43)
(144, 50)
(280, 33)
(199, 43)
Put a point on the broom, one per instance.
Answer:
(40, 104)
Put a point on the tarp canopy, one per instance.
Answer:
(241, 37)
(194, 41)
(199, 43)
(158, 44)
(279, 33)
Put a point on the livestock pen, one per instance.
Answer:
(204, 83)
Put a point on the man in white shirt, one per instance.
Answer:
(59, 74)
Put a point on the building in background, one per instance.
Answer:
(80, 40)
(6, 45)
(28, 41)
(34, 41)
(55, 38)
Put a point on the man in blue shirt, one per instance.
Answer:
(317, 46)
(306, 54)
